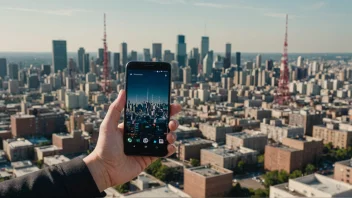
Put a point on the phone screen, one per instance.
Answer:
(147, 111)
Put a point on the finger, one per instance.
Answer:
(175, 108)
(115, 109)
(171, 149)
(171, 137)
(173, 124)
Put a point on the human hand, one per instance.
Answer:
(108, 163)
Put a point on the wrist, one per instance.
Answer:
(98, 171)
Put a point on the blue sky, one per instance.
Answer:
(250, 25)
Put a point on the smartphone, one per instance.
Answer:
(147, 109)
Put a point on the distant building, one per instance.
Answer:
(207, 181)
(208, 63)
(187, 149)
(146, 55)
(257, 113)
(238, 60)
(258, 60)
(133, 56)
(23, 125)
(204, 47)
(100, 56)
(187, 76)
(227, 60)
(215, 132)
(160, 191)
(13, 87)
(59, 55)
(3, 67)
(75, 100)
(55, 160)
(181, 51)
(124, 57)
(21, 168)
(306, 119)
(313, 185)
(228, 157)
(252, 139)
(71, 143)
(12, 71)
(342, 171)
(80, 58)
(331, 132)
(277, 131)
(117, 67)
(169, 57)
(157, 50)
(18, 149)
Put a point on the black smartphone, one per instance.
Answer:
(147, 109)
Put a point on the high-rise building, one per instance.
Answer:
(300, 60)
(174, 70)
(45, 69)
(117, 67)
(146, 55)
(181, 53)
(238, 59)
(187, 76)
(157, 49)
(100, 56)
(258, 61)
(12, 70)
(59, 55)
(208, 63)
(124, 57)
(169, 56)
(93, 67)
(269, 65)
(133, 56)
(85, 64)
(195, 54)
(204, 47)
(33, 81)
(192, 62)
(227, 60)
(3, 68)
(80, 58)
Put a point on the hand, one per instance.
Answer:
(108, 163)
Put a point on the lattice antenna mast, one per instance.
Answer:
(283, 94)
(106, 72)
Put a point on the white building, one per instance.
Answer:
(13, 86)
(313, 185)
(75, 100)
(276, 131)
(187, 76)
(208, 63)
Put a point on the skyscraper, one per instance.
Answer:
(195, 54)
(208, 63)
(300, 60)
(59, 55)
(227, 59)
(80, 58)
(157, 48)
(86, 63)
(192, 62)
(258, 61)
(100, 56)
(117, 67)
(204, 47)
(133, 56)
(269, 65)
(181, 53)
(12, 70)
(169, 56)
(238, 60)
(124, 57)
(146, 55)
(187, 76)
(3, 69)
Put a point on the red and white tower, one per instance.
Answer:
(282, 92)
(106, 72)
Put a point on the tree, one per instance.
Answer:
(123, 188)
(154, 167)
(258, 193)
(282, 176)
(260, 159)
(165, 173)
(295, 174)
(271, 178)
(310, 168)
(195, 162)
(40, 163)
(240, 165)
(238, 191)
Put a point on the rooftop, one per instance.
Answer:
(245, 135)
(47, 148)
(210, 171)
(194, 141)
(283, 147)
(23, 116)
(345, 162)
(227, 152)
(21, 164)
(63, 135)
(162, 191)
(19, 142)
(57, 159)
(24, 171)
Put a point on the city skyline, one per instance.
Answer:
(315, 26)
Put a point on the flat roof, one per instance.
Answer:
(209, 170)
(63, 135)
(345, 162)
(245, 135)
(56, 159)
(47, 148)
(227, 152)
(194, 141)
(23, 116)
(24, 171)
(162, 191)
(20, 142)
(283, 147)
(21, 164)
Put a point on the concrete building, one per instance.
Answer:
(59, 55)
(24, 167)
(342, 171)
(190, 148)
(208, 63)
(75, 100)
(215, 132)
(187, 76)
(23, 125)
(207, 181)
(44, 151)
(277, 131)
(161, 191)
(293, 154)
(332, 132)
(313, 185)
(306, 119)
(184, 132)
(157, 51)
(204, 47)
(13, 87)
(254, 140)
(54, 160)
(70, 143)
(18, 149)
(257, 113)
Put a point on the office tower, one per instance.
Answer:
(195, 54)
(13, 86)
(80, 58)
(100, 56)
(3, 68)
(124, 57)
(227, 60)
(59, 55)
(85, 64)
(46, 69)
(22, 77)
(269, 64)
(33, 81)
(300, 60)
(258, 61)
(174, 70)
(192, 62)
(208, 63)
(117, 67)
(218, 62)
(93, 67)
(146, 55)
(169, 56)
(187, 76)
(204, 47)
(181, 53)
(157, 48)
(133, 56)
(238, 60)
(109, 59)
(12, 70)
(216, 77)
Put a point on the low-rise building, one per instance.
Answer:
(313, 185)
(216, 131)
(184, 132)
(161, 191)
(250, 139)
(71, 143)
(343, 171)
(44, 151)
(54, 160)
(277, 131)
(21, 168)
(18, 149)
(226, 157)
(207, 181)
(331, 132)
(190, 148)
